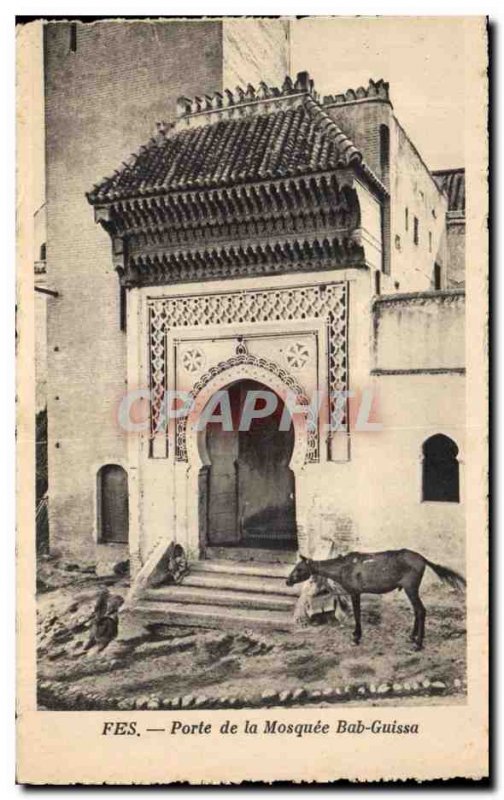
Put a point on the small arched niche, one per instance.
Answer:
(440, 470)
(113, 506)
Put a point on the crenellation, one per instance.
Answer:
(245, 99)
(376, 90)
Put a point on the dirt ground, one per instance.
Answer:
(176, 662)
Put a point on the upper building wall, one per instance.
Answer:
(120, 79)
(452, 183)
(455, 246)
(255, 50)
(418, 212)
(366, 116)
(419, 332)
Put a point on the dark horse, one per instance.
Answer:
(378, 573)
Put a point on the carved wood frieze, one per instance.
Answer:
(258, 229)
(209, 207)
(243, 261)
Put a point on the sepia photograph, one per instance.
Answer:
(253, 364)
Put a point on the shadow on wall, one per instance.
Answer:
(41, 515)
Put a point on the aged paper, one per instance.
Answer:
(252, 538)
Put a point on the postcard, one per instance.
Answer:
(252, 422)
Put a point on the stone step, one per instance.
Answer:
(250, 555)
(212, 616)
(230, 598)
(243, 568)
(239, 583)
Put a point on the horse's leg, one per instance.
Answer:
(90, 642)
(414, 632)
(421, 627)
(419, 611)
(357, 634)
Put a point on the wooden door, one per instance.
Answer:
(114, 504)
(265, 483)
(222, 449)
(250, 486)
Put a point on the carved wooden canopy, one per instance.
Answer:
(254, 183)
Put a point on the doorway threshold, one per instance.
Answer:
(251, 555)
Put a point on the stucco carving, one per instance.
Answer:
(193, 360)
(297, 355)
(256, 368)
(327, 302)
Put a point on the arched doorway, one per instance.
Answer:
(250, 488)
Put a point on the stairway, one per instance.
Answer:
(224, 594)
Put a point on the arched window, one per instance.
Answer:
(113, 504)
(440, 470)
(43, 252)
(384, 149)
(416, 230)
(377, 277)
(73, 37)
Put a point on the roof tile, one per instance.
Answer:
(293, 139)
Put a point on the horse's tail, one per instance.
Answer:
(448, 576)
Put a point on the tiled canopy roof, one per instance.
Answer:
(452, 182)
(255, 137)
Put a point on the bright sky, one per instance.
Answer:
(423, 58)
